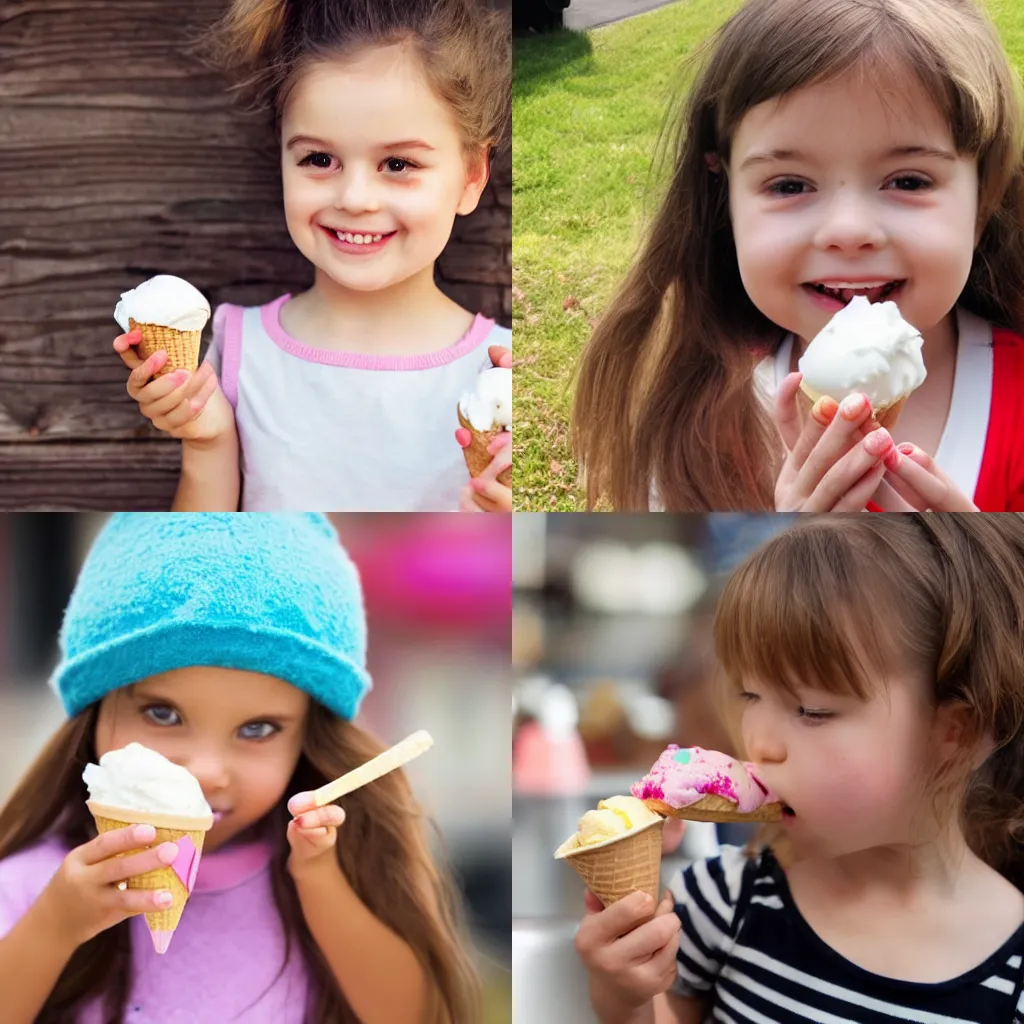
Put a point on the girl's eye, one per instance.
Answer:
(158, 714)
(813, 716)
(258, 730)
(747, 697)
(910, 183)
(396, 165)
(321, 161)
(787, 187)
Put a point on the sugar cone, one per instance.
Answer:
(182, 347)
(169, 828)
(888, 416)
(477, 456)
(616, 867)
(715, 808)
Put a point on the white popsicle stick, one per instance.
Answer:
(401, 753)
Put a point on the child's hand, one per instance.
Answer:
(500, 356)
(915, 483)
(630, 955)
(838, 458)
(83, 896)
(313, 832)
(485, 493)
(190, 407)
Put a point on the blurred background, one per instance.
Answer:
(438, 603)
(613, 659)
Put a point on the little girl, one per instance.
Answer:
(880, 151)
(885, 706)
(233, 645)
(345, 397)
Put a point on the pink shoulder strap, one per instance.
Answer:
(230, 322)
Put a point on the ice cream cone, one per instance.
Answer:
(177, 878)
(888, 416)
(182, 347)
(615, 867)
(715, 808)
(477, 456)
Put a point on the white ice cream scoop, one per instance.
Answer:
(866, 347)
(489, 404)
(140, 779)
(164, 300)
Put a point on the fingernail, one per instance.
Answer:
(824, 410)
(168, 853)
(145, 833)
(164, 899)
(180, 376)
(907, 448)
(892, 460)
(852, 405)
(878, 442)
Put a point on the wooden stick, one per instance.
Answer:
(396, 756)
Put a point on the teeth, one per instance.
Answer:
(348, 236)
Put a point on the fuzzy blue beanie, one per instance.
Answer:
(274, 593)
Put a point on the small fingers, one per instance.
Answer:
(116, 868)
(146, 369)
(919, 471)
(142, 901)
(787, 410)
(118, 840)
(124, 342)
(500, 356)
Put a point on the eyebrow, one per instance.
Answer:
(775, 155)
(404, 144)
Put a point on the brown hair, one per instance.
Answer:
(837, 601)
(385, 856)
(465, 51)
(671, 364)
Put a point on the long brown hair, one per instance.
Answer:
(836, 601)
(666, 395)
(264, 46)
(385, 856)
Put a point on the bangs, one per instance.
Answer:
(809, 610)
(816, 42)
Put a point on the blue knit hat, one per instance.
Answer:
(274, 593)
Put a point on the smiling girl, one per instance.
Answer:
(345, 397)
(879, 152)
(233, 645)
(876, 669)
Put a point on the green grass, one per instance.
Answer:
(587, 109)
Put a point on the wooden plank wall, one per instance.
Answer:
(120, 158)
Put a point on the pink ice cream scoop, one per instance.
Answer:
(690, 782)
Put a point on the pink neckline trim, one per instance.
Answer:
(231, 866)
(271, 317)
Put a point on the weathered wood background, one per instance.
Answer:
(121, 157)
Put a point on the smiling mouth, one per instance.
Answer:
(358, 237)
(878, 292)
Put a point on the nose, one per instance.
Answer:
(764, 742)
(849, 223)
(211, 771)
(357, 191)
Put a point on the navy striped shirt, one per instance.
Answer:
(744, 942)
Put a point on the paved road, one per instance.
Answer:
(584, 14)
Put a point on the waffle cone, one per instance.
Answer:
(885, 415)
(182, 347)
(169, 828)
(477, 456)
(715, 808)
(615, 868)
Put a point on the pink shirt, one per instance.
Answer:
(226, 953)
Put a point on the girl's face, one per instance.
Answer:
(239, 733)
(374, 169)
(844, 183)
(853, 771)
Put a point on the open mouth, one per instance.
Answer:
(844, 293)
(787, 811)
(367, 238)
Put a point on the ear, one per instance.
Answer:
(478, 173)
(954, 732)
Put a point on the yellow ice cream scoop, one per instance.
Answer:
(613, 817)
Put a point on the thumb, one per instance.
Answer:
(592, 903)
